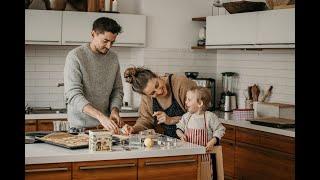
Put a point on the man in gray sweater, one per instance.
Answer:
(93, 87)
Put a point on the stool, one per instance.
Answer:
(217, 150)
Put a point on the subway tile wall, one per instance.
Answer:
(264, 68)
(44, 68)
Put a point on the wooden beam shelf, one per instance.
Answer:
(199, 19)
(198, 47)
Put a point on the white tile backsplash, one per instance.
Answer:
(44, 69)
(264, 68)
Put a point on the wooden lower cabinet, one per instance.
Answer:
(56, 171)
(129, 120)
(45, 125)
(30, 125)
(105, 170)
(255, 162)
(228, 153)
(168, 168)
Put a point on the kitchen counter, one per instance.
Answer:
(41, 153)
(64, 115)
(227, 118)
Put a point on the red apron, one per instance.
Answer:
(200, 137)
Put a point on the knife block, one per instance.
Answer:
(278, 110)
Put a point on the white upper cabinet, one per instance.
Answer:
(237, 29)
(262, 29)
(77, 27)
(43, 27)
(276, 27)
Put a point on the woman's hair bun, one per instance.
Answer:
(130, 74)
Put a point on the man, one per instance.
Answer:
(92, 80)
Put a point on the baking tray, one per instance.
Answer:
(115, 141)
(62, 145)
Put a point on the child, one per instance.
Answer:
(200, 126)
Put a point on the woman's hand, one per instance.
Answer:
(210, 144)
(127, 129)
(162, 117)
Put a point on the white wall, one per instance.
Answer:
(264, 68)
(169, 22)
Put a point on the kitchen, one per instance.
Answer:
(167, 48)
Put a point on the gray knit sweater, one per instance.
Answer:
(91, 78)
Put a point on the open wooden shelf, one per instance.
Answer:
(198, 47)
(199, 19)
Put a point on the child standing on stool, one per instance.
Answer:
(200, 126)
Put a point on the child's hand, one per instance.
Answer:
(183, 137)
(211, 144)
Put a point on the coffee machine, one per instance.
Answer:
(228, 98)
(211, 85)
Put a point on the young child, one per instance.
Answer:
(200, 126)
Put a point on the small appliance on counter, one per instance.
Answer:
(228, 98)
(205, 82)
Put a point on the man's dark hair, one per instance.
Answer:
(105, 24)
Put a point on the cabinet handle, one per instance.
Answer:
(128, 43)
(46, 170)
(170, 162)
(40, 41)
(107, 166)
(76, 41)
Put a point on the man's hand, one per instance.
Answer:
(109, 125)
(211, 144)
(115, 117)
(162, 117)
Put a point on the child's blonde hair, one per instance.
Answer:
(202, 94)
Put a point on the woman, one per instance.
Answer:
(162, 101)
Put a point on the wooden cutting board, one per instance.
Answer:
(273, 122)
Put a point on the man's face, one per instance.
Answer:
(103, 41)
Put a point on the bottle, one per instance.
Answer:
(92, 5)
(101, 5)
(107, 5)
(115, 6)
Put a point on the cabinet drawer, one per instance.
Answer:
(56, 171)
(278, 142)
(267, 140)
(45, 125)
(168, 168)
(113, 169)
(30, 125)
(130, 120)
(230, 132)
(248, 136)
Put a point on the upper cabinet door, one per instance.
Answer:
(276, 27)
(235, 29)
(77, 27)
(43, 27)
